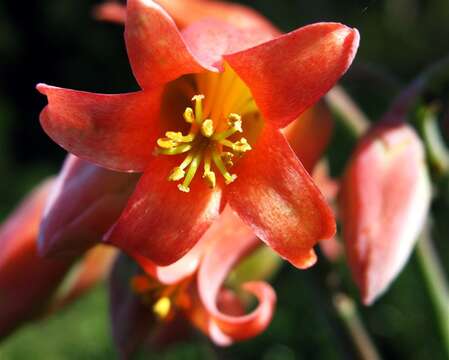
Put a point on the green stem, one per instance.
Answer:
(341, 103)
(435, 282)
(350, 317)
(437, 152)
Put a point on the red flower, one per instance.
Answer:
(384, 202)
(191, 288)
(27, 282)
(242, 84)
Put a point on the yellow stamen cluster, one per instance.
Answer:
(203, 144)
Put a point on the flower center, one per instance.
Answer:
(207, 143)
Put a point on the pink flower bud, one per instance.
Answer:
(384, 202)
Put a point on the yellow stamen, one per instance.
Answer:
(175, 150)
(209, 175)
(162, 307)
(240, 146)
(235, 123)
(176, 174)
(184, 187)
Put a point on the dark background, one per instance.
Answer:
(59, 43)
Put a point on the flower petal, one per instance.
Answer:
(179, 270)
(160, 222)
(112, 11)
(276, 197)
(27, 281)
(290, 73)
(117, 132)
(186, 12)
(310, 134)
(131, 320)
(233, 240)
(385, 198)
(210, 39)
(86, 200)
(156, 49)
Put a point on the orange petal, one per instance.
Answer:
(310, 134)
(384, 202)
(27, 281)
(210, 39)
(186, 12)
(275, 195)
(290, 73)
(156, 49)
(86, 200)
(233, 239)
(117, 132)
(160, 222)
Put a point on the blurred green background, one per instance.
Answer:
(58, 42)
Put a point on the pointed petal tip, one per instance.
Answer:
(305, 260)
(41, 87)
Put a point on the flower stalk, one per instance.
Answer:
(347, 311)
(436, 284)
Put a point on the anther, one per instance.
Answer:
(210, 178)
(235, 121)
(242, 146)
(178, 137)
(188, 115)
(227, 158)
(166, 143)
(207, 128)
(162, 307)
(209, 175)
